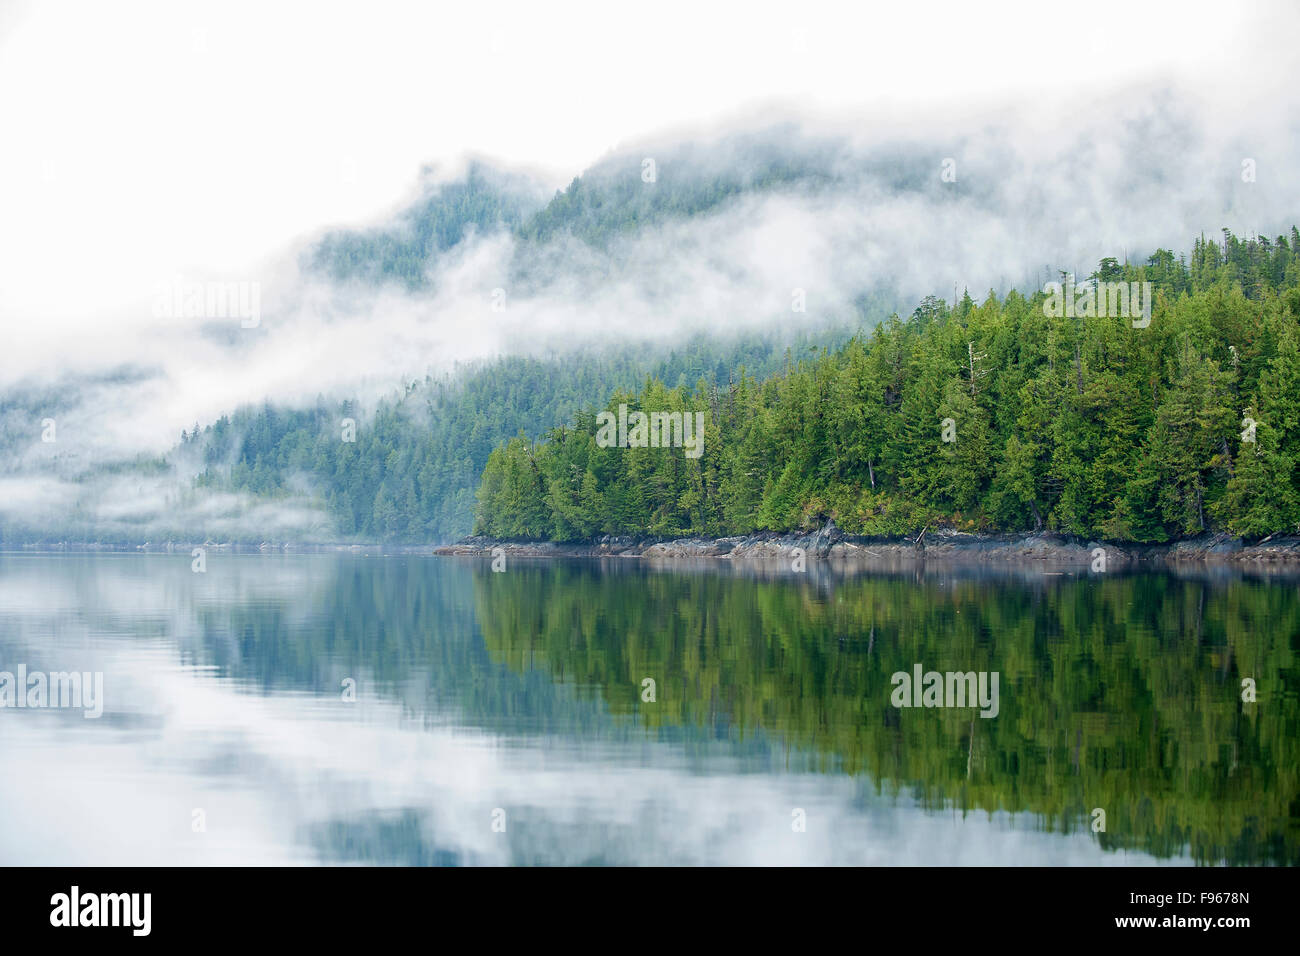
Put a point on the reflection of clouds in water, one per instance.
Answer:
(272, 772)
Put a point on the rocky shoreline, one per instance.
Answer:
(828, 545)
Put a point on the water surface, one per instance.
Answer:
(499, 717)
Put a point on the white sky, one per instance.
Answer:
(142, 139)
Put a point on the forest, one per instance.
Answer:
(411, 472)
(996, 416)
(608, 201)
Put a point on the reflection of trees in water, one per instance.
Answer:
(1121, 693)
(405, 629)
(1118, 692)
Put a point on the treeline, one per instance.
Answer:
(410, 472)
(987, 416)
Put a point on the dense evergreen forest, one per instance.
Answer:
(410, 473)
(991, 416)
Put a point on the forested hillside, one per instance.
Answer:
(484, 199)
(623, 194)
(1085, 425)
(411, 471)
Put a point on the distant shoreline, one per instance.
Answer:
(825, 547)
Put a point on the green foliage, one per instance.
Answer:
(411, 473)
(1085, 425)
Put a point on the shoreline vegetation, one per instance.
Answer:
(1158, 426)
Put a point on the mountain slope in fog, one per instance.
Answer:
(780, 230)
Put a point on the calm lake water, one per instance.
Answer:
(499, 717)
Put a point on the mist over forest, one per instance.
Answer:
(495, 302)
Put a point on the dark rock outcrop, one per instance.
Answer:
(830, 545)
